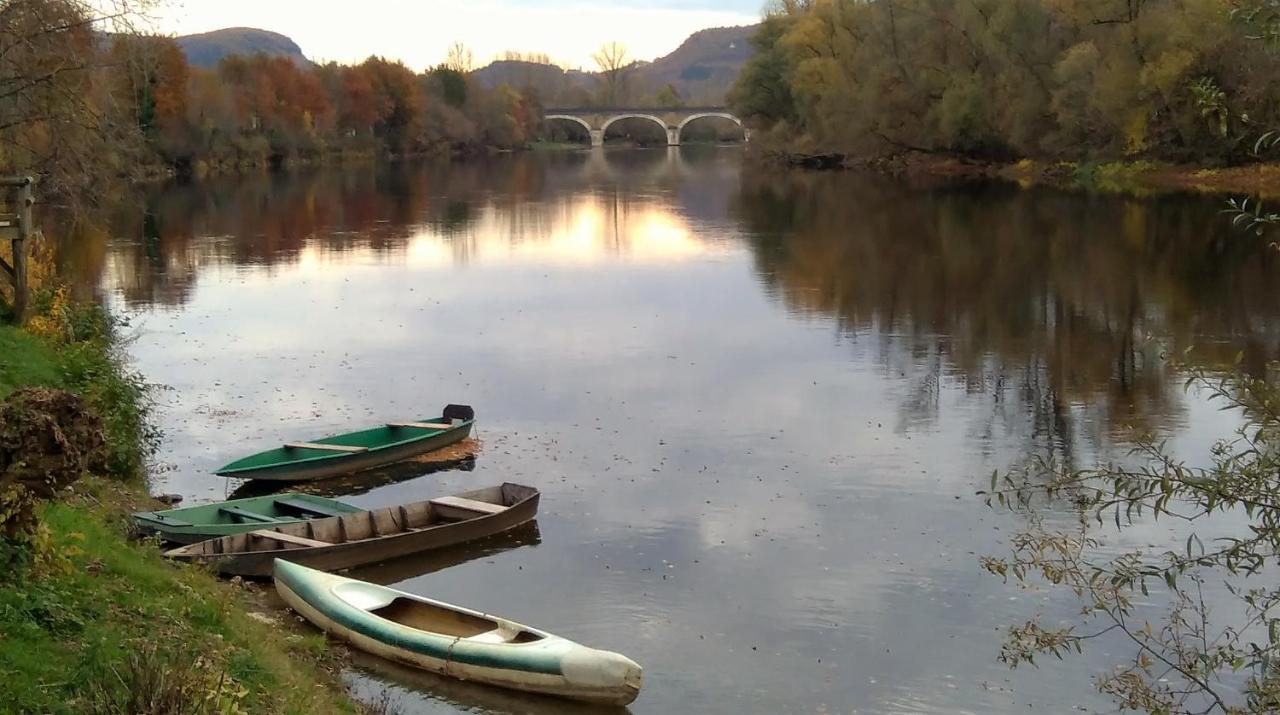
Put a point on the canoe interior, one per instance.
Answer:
(370, 439)
(255, 510)
(436, 618)
(361, 526)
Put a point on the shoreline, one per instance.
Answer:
(1138, 177)
(89, 614)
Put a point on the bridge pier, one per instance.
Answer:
(673, 136)
(597, 138)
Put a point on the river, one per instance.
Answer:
(758, 404)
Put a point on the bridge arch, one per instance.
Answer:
(570, 118)
(746, 133)
(604, 129)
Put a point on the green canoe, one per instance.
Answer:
(453, 641)
(209, 521)
(353, 452)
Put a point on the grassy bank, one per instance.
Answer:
(97, 623)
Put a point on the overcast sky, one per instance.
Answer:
(420, 32)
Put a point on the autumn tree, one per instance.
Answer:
(401, 102)
(614, 69)
(1003, 79)
(152, 77)
(460, 59)
(57, 120)
(668, 98)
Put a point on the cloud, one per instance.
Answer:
(419, 33)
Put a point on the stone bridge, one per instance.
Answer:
(672, 121)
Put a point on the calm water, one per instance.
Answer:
(758, 406)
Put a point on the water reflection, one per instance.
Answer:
(757, 405)
(383, 681)
(436, 213)
(1054, 309)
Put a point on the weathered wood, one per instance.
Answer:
(421, 425)
(19, 222)
(326, 447)
(289, 538)
(350, 540)
(468, 504)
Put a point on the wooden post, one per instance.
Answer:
(20, 229)
(24, 199)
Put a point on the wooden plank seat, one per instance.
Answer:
(326, 447)
(246, 515)
(482, 507)
(420, 425)
(307, 507)
(166, 520)
(288, 538)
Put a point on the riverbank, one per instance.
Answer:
(1135, 177)
(95, 622)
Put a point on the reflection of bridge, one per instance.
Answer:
(672, 121)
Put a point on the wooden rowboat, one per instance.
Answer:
(369, 537)
(208, 521)
(453, 641)
(355, 451)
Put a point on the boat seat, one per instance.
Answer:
(482, 507)
(326, 447)
(497, 635)
(421, 425)
(307, 507)
(288, 538)
(246, 515)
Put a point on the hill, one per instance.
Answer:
(704, 67)
(207, 49)
(702, 70)
(552, 83)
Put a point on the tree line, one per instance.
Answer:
(1182, 80)
(84, 96)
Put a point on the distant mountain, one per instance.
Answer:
(207, 49)
(702, 70)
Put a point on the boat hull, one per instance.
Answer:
(339, 465)
(368, 551)
(192, 525)
(554, 666)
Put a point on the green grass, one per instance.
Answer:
(26, 360)
(70, 639)
(92, 622)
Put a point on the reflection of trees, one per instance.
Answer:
(162, 241)
(1060, 302)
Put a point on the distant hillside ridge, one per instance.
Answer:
(207, 49)
(702, 70)
(704, 67)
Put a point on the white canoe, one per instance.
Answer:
(454, 641)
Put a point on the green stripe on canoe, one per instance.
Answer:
(542, 657)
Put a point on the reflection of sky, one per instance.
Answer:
(730, 494)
